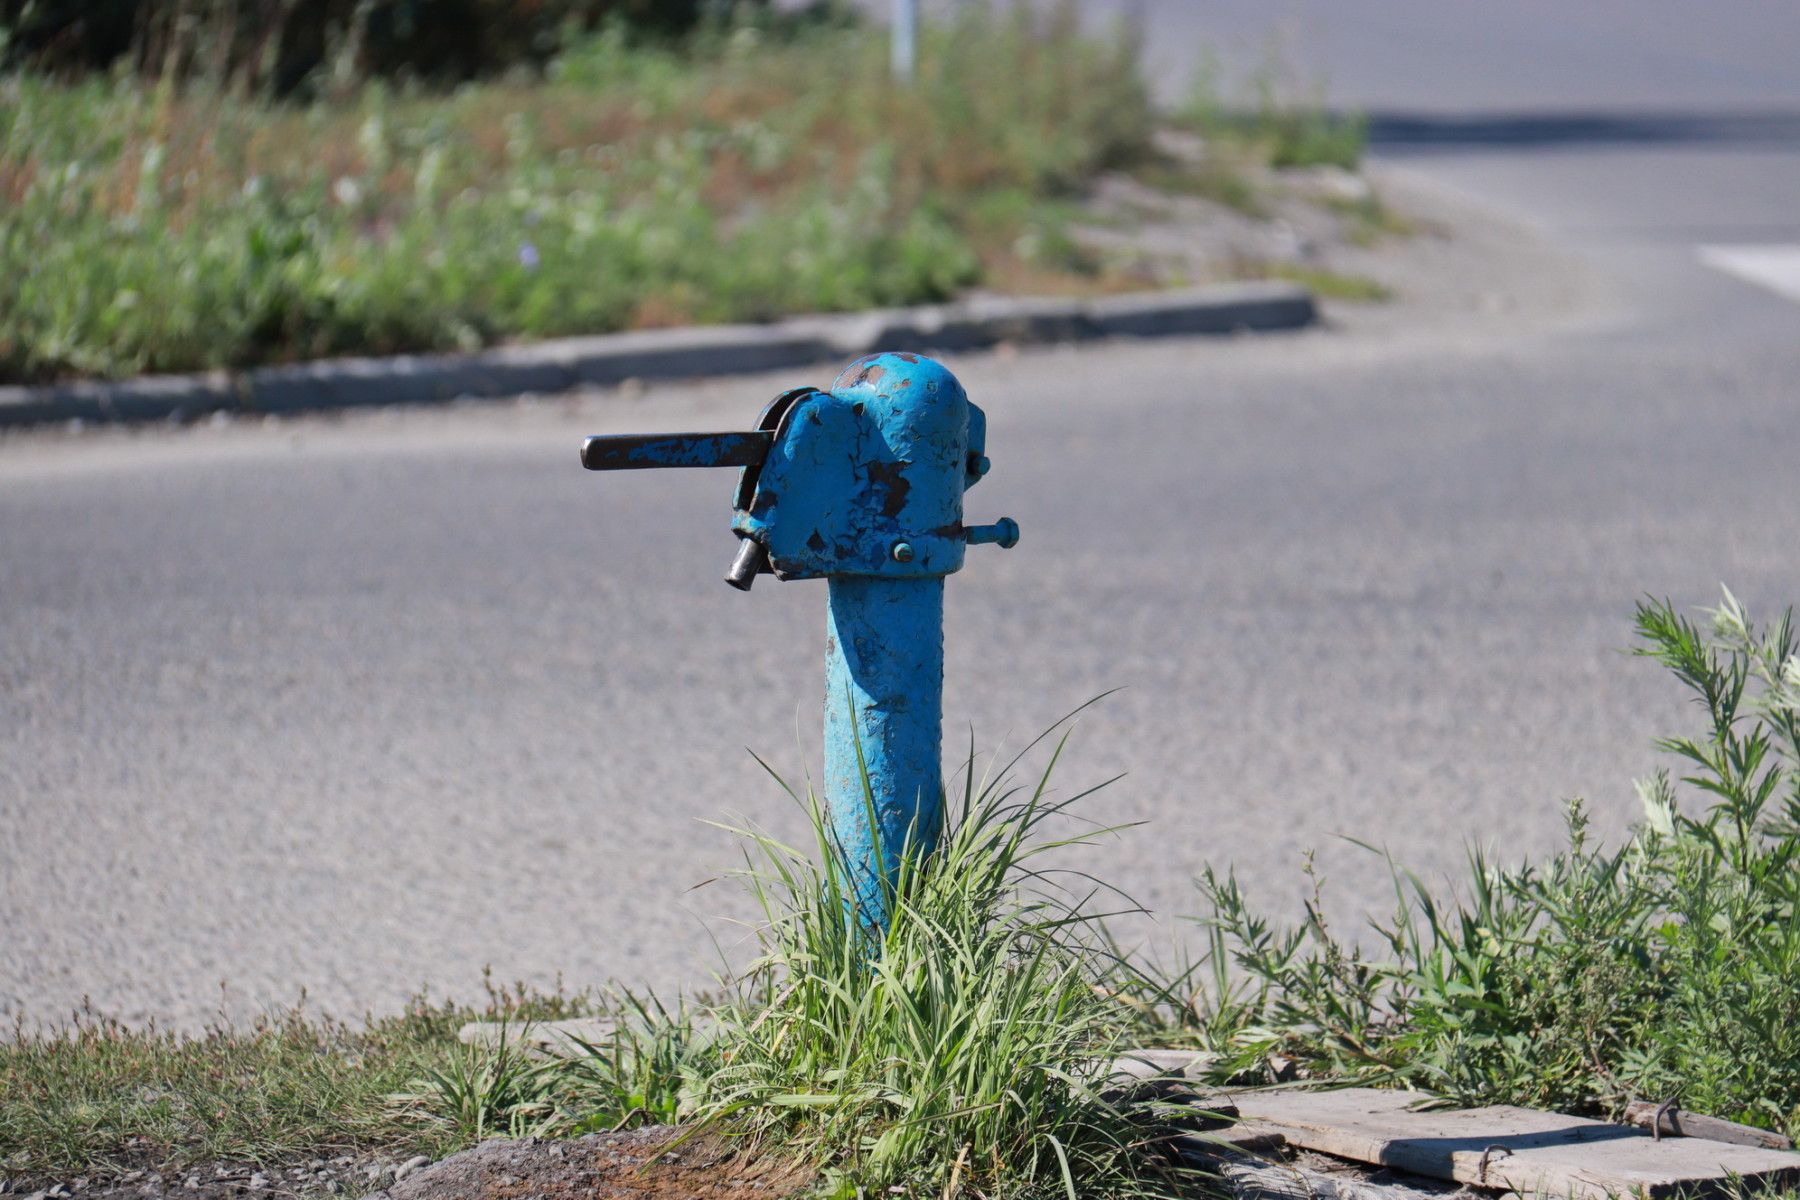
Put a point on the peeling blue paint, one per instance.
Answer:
(883, 458)
(884, 691)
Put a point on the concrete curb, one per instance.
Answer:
(663, 354)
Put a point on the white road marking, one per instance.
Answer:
(1774, 267)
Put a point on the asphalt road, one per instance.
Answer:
(356, 706)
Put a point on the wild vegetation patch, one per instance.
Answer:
(210, 215)
(751, 170)
(1662, 968)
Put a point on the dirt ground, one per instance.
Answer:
(602, 1166)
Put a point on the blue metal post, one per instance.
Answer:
(884, 693)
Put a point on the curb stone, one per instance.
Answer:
(605, 359)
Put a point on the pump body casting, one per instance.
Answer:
(861, 485)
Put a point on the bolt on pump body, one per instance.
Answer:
(861, 485)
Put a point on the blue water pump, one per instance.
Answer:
(861, 485)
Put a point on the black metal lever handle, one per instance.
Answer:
(637, 451)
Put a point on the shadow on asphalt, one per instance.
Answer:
(1396, 133)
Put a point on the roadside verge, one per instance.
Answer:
(567, 363)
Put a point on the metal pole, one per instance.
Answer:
(884, 694)
(905, 39)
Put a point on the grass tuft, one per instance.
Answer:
(958, 1054)
(641, 1071)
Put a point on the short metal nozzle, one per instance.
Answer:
(752, 559)
(1003, 533)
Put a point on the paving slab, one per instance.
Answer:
(1501, 1146)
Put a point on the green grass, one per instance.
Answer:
(1277, 124)
(641, 1072)
(1663, 967)
(749, 172)
(93, 1095)
(1330, 285)
(1225, 183)
(1370, 220)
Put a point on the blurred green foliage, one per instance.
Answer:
(282, 45)
(752, 170)
(1276, 120)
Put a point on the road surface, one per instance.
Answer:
(358, 706)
